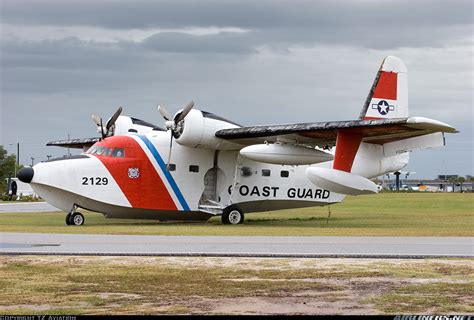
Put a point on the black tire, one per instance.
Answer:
(77, 219)
(68, 217)
(232, 215)
(225, 218)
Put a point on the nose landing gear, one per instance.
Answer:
(74, 218)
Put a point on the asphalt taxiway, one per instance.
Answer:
(227, 246)
(238, 246)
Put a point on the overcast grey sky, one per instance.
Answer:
(255, 62)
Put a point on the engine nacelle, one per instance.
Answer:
(124, 125)
(199, 131)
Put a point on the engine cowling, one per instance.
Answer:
(125, 124)
(199, 128)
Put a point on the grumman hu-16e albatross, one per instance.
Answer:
(203, 165)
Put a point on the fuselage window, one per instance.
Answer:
(171, 167)
(193, 168)
(246, 171)
(265, 172)
(118, 153)
(284, 174)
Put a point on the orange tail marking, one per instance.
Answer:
(387, 86)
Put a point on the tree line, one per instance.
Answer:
(7, 168)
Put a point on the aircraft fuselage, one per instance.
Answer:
(129, 177)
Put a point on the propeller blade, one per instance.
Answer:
(114, 118)
(185, 111)
(102, 129)
(96, 119)
(164, 113)
(169, 153)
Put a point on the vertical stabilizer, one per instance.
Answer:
(388, 97)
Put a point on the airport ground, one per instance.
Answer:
(225, 285)
(385, 214)
(166, 285)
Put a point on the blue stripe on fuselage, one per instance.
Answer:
(167, 174)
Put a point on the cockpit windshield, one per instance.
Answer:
(106, 152)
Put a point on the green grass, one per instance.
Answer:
(386, 214)
(153, 285)
(48, 284)
(418, 298)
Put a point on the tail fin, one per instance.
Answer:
(388, 97)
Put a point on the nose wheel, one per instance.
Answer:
(75, 219)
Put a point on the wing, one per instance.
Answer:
(74, 143)
(321, 134)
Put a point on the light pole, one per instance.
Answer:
(49, 156)
(32, 161)
(397, 179)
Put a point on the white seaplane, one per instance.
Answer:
(203, 165)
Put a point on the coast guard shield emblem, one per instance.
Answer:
(133, 173)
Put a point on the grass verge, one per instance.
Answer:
(386, 214)
(152, 285)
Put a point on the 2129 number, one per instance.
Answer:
(94, 181)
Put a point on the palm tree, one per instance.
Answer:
(461, 180)
(453, 181)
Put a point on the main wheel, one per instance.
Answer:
(76, 219)
(68, 218)
(232, 215)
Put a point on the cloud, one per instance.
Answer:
(244, 13)
(372, 24)
(255, 62)
(225, 42)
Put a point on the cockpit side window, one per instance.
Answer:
(91, 150)
(118, 153)
(101, 151)
(109, 152)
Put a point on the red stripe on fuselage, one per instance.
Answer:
(147, 191)
(386, 86)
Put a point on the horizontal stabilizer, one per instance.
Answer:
(427, 141)
(340, 181)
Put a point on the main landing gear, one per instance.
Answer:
(74, 218)
(232, 215)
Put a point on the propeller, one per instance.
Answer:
(110, 123)
(175, 124)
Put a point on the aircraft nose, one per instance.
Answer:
(26, 174)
